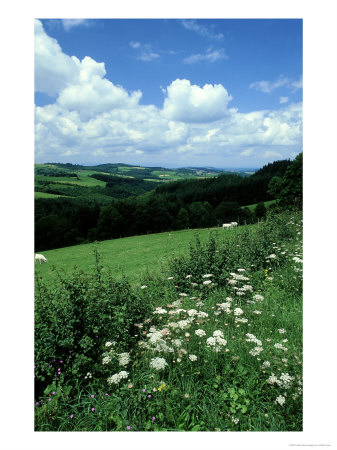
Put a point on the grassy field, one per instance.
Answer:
(132, 256)
(46, 195)
(266, 204)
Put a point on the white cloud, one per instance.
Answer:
(71, 23)
(268, 86)
(209, 56)
(204, 31)
(284, 99)
(191, 103)
(145, 53)
(93, 119)
(53, 68)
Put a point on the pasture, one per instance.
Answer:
(132, 257)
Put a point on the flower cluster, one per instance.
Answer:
(117, 377)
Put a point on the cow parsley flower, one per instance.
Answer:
(258, 297)
(265, 364)
(281, 330)
(211, 341)
(207, 282)
(200, 332)
(280, 400)
(159, 310)
(256, 351)
(238, 312)
(123, 359)
(207, 275)
(106, 360)
(158, 363)
(218, 333)
(193, 357)
(115, 379)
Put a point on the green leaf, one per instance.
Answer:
(195, 428)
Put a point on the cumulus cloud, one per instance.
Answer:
(191, 103)
(53, 68)
(284, 99)
(93, 119)
(204, 31)
(209, 56)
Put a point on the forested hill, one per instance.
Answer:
(195, 203)
(225, 188)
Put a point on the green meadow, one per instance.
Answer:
(132, 257)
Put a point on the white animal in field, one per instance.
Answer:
(226, 225)
(234, 224)
(40, 258)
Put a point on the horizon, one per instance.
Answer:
(168, 92)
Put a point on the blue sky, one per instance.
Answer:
(223, 92)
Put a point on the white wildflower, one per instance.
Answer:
(272, 379)
(257, 312)
(177, 342)
(241, 270)
(281, 330)
(115, 379)
(123, 359)
(241, 320)
(192, 312)
(159, 310)
(280, 400)
(258, 297)
(200, 332)
(170, 278)
(193, 357)
(188, 276)
(256, 351)
(238, 312)
(265, 364)
(235, 420)
(182, 294)
(106, 360)
(211, 341)
(158, 363)
(143, 287)
(207, 275)
(207, 282)
(217, 333)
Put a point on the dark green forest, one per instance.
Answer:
(141, 207)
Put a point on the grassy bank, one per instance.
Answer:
(214, 343)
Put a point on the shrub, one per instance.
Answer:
(76, 318)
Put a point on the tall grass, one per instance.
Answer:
(213, 344)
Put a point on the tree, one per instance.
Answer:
(260, 210)
(183, 220)
(288, 190)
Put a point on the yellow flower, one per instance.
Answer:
(162, 386)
